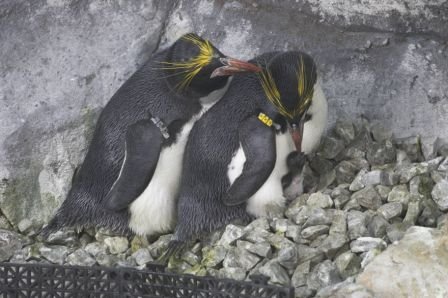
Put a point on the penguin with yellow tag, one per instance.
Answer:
(130, 176)
(236, 155)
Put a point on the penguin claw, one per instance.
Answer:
(175, 248)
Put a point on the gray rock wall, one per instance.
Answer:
(61, 60)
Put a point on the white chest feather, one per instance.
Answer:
(313, 129)
(154, 210)
(271, 192)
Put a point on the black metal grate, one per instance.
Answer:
(39, 281)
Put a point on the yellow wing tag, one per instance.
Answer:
(265, 119)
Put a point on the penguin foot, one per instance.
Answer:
(175, 248)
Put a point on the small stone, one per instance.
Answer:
(142, 256)
(438, 176)
(275, 272)
(293, 232)
(318, 216)
(314, 231)
(300, 216)
(306, 253)
(55, 254)
(300, 275)
(232, 273)
(380, 133)
(348, 264)
(368, 198)
(259, 223)
(106, 260)
(280, 225)
(316, 242)
(429, 214)
(63, 237)
(4, 223)
(25, 226)
(383, 191)
(396, 231)
(339, 224)
(440, 195)
(412, 147)
(294, 207)
(80, 258)
(326, 179)
(421, 185)
(357, 183)
(257, 235)
(340, 197)
(368, 257)
(377, 227)
(262, 249)
(278, 241)
(353, 153)
(440, 147)
(332, 244)
(330, 147)
(319, 200)
(391, 210)
(288, 257)
(345, 289)
(178, 265)
(190, 257)
(321, 165)
(304, 292)
(364, 244)
(10, 242)
(400, 194)
(128, 262)
(102, 234)
(240, 258)
(402, 158)
(352, 205)
(442, 222)
(356, 223)
(116, 245)
(345, 130)
(213, 237)
(159, 247)
(138, 242)
(231, 234)
(346, 170)
(410, 171)
(213, 256)
(381, 153)
(413, 212)
(95, 248)
(322, 275)
(443, 166)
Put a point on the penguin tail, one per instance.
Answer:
(175, 248)
(50, 228)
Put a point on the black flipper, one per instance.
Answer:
(258, 143)
(143, 145)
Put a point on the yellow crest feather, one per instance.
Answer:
(193, 66)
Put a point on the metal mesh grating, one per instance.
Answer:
(39, 281)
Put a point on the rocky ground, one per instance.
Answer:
(348, 236)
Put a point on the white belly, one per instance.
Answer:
(271, 192)
(154, 210)
(313, 129)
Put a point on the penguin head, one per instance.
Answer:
(195, 65)
(288, 81)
